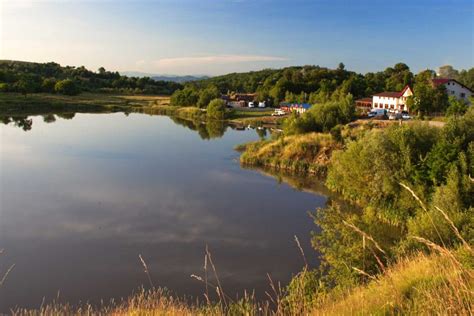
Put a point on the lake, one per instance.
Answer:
(83, 195)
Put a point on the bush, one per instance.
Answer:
(185, 97)
(456, 107)
(67, 87)
(216, 109)
(207, 95)
(321, 117)
(435, 164)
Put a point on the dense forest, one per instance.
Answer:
(313, 84)
(26, 77)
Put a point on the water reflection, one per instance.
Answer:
(206, 130)
(80, 199)
(22, 122)
(307, 183)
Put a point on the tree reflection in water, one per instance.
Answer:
(22, 122)
(206, 130)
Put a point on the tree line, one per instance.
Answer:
(318, 85)
(26, 77)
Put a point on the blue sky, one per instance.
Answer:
(220, 36)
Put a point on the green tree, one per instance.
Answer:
(67, 87)
(427, 98)
(456, 107)
(48, 85)
(216, 109)
(4, 87)
(188, 96)
(24, 86)
(207, 95)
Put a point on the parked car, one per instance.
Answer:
(405, 115)
(278, 112)
(251, 104)
(377, 113)
(395, 116)
(261, 104)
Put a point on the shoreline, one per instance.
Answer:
(14, 104)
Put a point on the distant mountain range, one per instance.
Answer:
(178, 79)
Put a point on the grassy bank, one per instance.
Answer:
(440, 283)
(437, 284)
(15, 104)
(43, 103)
(308, 153)
(254, 117)
(187, 113)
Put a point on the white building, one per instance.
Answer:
(394, 101)
(454, 88)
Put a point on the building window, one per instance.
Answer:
(452, 91)
(463, 95)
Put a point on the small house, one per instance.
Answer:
(454, 88)
(364, 105)
(239, 99)
(299, 108)
(392, 101)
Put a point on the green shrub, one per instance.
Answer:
(67, 87)
(216, 109)
(321, 117)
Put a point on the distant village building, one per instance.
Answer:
(239, 99)
(390, 101)
(364, 105)
(299, 108)
(454, 88)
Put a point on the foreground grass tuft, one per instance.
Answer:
(418, 285)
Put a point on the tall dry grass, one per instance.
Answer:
(307, 153)
(437, 282)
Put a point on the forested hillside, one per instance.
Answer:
(26, 77)
(313, 84)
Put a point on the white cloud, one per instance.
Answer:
(215, 59)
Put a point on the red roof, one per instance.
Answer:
(390, 94)
(439, 81)
(365, 100)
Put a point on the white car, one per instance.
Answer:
(405, 115)
(261, 104)
(251, 104)
(395, 116)
(278, 112)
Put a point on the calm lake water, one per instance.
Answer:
(81, 198)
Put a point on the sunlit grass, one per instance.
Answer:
(308, 153)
